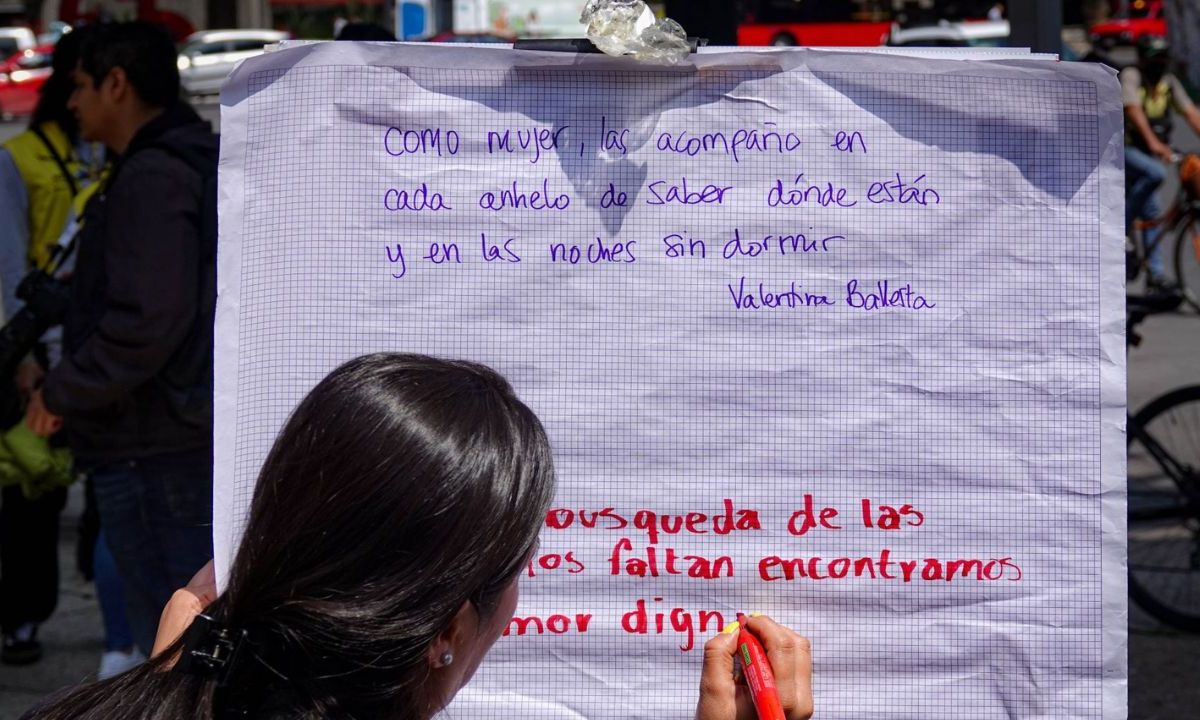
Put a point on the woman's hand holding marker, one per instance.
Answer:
(790, 657)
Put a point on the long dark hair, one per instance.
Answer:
(401, 488)
(54, 94)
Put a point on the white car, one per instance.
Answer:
(979, 33)
(207, 57)
(14, 40)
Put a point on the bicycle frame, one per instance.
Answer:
(1175, 214)
(1184, 208)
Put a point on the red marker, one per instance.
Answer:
(758, 674)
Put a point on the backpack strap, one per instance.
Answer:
(205, 166)
(58, 160)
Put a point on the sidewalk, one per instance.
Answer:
(1163, 680)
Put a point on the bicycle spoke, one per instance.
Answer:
(1164, 508)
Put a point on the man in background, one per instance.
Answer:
(134, 386)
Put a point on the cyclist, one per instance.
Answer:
(1150, 93)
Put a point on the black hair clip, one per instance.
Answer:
(210, 649)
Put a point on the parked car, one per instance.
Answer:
(22, 75)
(207, 57)
(15, 39)
(1150, 20)
(979, 33)
(456, 37)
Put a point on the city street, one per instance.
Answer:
(1162, 663)
(1163, 677)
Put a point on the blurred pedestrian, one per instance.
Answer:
(45, 173)
(135, 382)
(1150, 93)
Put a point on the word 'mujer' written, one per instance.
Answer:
(533, 143)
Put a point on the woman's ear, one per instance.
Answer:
(449, 658)
(451, 643)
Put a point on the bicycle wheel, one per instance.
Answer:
(1164, 508)
(1187, 260)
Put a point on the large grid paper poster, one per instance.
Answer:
(836, 337)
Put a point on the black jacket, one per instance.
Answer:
(136, 375)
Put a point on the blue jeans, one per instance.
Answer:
(1143, 175)
(157, 518)
(117, 635)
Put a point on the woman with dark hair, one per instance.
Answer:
(44, 170)
(390, 523)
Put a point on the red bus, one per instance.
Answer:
(783, 23)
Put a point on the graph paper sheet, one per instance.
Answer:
(829, 336)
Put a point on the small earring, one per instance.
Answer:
(446, 659)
